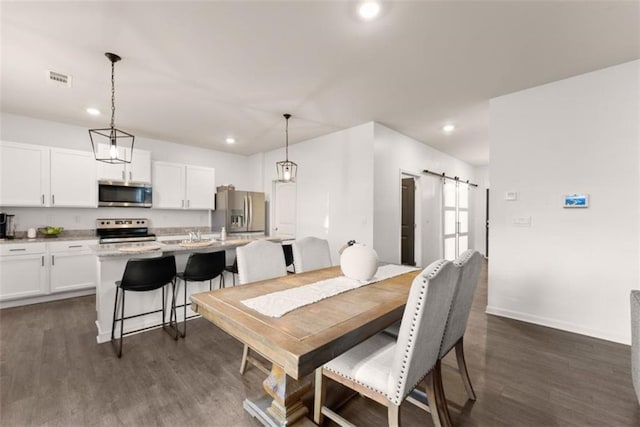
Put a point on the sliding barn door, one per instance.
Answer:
(455, 204)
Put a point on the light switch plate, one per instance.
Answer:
(511, 195)
(522, 221)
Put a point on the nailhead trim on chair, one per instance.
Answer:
(397, 399)
(354, 380)
(464, 258)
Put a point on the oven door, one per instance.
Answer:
(124, 194)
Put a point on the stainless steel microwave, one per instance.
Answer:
(124, 194)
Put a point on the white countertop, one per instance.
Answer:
(128, 249)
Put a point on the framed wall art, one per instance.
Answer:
(576, 201)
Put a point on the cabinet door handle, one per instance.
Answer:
(130, 176)
(53, 260)
(17, 250)
(43, 260)
(43, 199)
(123, 175)
(183, 203)
(53, 199)
(188, 203)
(74, 246)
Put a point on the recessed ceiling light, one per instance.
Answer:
(448, 128)
(230, 140)
(93, 111)
(369, 10)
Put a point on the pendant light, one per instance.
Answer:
(287, 170)
(112, 145)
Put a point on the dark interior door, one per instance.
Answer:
(408, 238)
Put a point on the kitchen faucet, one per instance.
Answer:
(195, 236)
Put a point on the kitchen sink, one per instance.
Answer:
(190, 244)
(172, 242)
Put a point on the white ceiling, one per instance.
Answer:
(196, 72)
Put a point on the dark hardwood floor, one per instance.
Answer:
(53, 373)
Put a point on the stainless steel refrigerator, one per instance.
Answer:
(239, 211)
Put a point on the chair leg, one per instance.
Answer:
(462, 368)
(440, 395)
(173, 317)
(319, 397)
(121, 325)
(393, 415)
(115, 319)
(433, 399)
(184, 320)
(245, 355)
(115, 312)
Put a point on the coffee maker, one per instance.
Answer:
(7, 226)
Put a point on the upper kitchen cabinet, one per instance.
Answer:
(168, 185)
(139, 170)
(35, 175)
(200, 187)
(178, 186)
(24, 174)
(73, 179)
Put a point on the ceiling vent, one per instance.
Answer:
(59, 78)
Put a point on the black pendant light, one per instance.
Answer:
(112, 145)
(287, 170)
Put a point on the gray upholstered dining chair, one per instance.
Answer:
(470, 264)
(310, 253)
(386, 370)
(259, 260)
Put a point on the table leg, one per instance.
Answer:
(286, 392)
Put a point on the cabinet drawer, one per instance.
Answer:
(71, 245)
(22, 249)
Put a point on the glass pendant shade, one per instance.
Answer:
(111, 145)
(287, 170)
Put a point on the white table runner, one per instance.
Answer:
(277, 304)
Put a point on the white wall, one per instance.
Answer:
(334, 186)
(244, 172)
(572, 268)
(395, 153)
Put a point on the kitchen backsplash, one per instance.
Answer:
(85, 219)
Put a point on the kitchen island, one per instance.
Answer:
(111, 260)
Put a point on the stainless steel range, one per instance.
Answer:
(123, 230)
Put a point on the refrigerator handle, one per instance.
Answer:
(250, 198)
(246, 211)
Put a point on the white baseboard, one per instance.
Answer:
(557, 324)
(47, 298)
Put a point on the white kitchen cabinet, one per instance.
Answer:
(73, 179)
(168, 181)
(178, 186)
(73, 266)
(23, 271)
(138, 170)
(36, 175)
(200, 187)
(24, 174)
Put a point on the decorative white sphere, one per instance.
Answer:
(359, 262)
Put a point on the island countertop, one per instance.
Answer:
(178, 245)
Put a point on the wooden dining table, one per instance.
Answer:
(304, 339)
